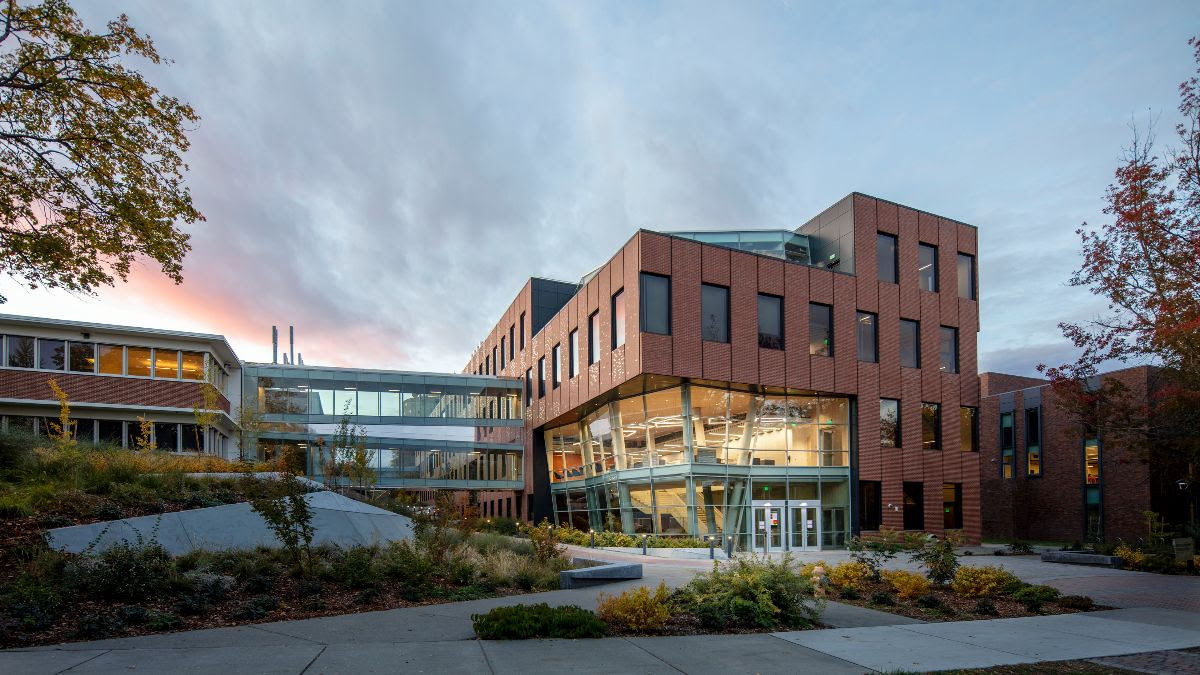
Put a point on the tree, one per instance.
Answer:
(145, 436)
(1144, 263)
(64, 431)
(90, 153)
(350, 452)
(249, 421)
(206, 411)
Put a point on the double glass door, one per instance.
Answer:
(787, 526)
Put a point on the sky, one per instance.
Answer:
(387, 175)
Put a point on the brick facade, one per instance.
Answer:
(684, 354)
(103, 389)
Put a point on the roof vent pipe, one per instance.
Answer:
(274, 344)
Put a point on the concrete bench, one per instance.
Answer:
(1081, 558)
(601, 574)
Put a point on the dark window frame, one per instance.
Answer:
(556, 366)
(728, 312)
(937, 425)
(594, 338)
(916, 342)
(616, 335)
(766, 340)
(917, 512)
(1036, 443)
(858, 334)
(528, 387)
(522, 322)
(512, 342)
(895, 244)
(644, 311)
(541, 375)
(870, 502)
(974, 427)
(953, 332)
(952, 511)
(972, 283)
(898, 441)
(573, 353)
(1008, 445)
(922, 246)
(829, 341)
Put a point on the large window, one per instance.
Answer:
(51, 354)
(948, 349)
(573, 354)
(1033, 441)
(867, 332)
(910, 343)
(870, 500)
(1093, 501)
(889, 423)
(112, 359)
(927, 267)
(914, 506)
(820, 329)
(594, 338)
(968, 425)
(931, 426)
(655, 304)
(138, 361)
(1006, 445)
(952, 506)
(193, 366)
(966, 276)
(21, 352)
(714, 313)
(1091, 461)
(556, 366)
(83, 357)
(886, 260)
(770, 321)
(541, 377)
(618, 319)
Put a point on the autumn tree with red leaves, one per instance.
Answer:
(1146, 263)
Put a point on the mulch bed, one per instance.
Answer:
(954, 607)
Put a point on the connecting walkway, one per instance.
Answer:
(439, 639)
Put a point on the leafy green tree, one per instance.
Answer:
(290, 517)
(90, 153)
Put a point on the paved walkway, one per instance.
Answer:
(439, 639)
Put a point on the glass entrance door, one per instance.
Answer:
(805, 530)
(769, 526)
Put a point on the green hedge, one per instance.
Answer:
(522, 622)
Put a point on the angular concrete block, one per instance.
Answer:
(1079, 558)
(601, 574)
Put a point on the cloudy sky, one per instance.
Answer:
(386, 175)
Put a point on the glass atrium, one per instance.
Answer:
(782, 244)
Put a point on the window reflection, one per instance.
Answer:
(139, 361)
(166, 363)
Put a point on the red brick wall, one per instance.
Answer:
(32, 385)
(685, 354)
(1051, 507)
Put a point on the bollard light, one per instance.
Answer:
(645, 543)
(592, 532)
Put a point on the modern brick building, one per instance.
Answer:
(728, 383)
(1047, 477)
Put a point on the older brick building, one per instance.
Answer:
(728, 383)
(1047, 477)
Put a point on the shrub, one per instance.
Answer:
(122, 572)
(409, 567)
(259, 583)
(133, 615)
(356, 568)
(982, 582)
(849, 593)
(486, 543)
(163, 621)
(882, 599)
(1131, 557)
(542, 537)
(1033, 597)
(522, 622)
(807, 569)
(1019, 547)
(929, 601)
(1080, 602)
(211, 588)
(751, 593)
(97, 625)
(506, 526)
(938, 557)
(849, 574)
(34, 604)
(636, 610)
(255, 608)
(985, 607)
(906, 584)
(876, 552)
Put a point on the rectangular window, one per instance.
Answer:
(166, 436)
(618, 319)
(820, 329)
(714, 313)
(886, 259)
(502, 359)
(83, 357)
(910, 343)
(966, 276)
(968, 426)
(1006, 445)
(889, 423)
(594, 338)
(573, 354)
(495, 362)
(522, 330)
(528, 387)
(948, 349)
(770, 321)
(867, 329)
(952, 506)
(111, 432)
(914, 506)
(1091, 461)
(927, 269)
(931, 426)
(870, 501)
(20, 352)
(166, 363)
(655, 304)
(193, 366)
(556, 366)
(541, 377)
(512, 343)
(1033, 441)
(112, 359)
(138, 361)
(52, 354)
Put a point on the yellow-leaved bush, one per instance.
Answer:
(806, 570)
(849, 574)
(983, 582)
(1133, 558)
(636, 610)
(906, 584)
